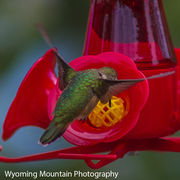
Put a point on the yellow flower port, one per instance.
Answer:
(105, 116)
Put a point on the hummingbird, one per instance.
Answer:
(81, 91)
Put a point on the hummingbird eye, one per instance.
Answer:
(100, 74)
(103, 76)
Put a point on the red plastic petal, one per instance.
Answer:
(177, 51)
(82, 133)
(30, 106)
(160, 116)
(52, 99)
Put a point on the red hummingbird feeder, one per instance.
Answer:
(132, 37)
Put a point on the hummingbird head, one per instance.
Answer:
(107, 73)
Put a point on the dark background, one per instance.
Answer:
(21, 45)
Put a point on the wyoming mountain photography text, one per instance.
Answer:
(60, 174)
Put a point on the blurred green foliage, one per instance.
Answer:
(18, 20)
(21, 44)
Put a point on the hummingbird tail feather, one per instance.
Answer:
(53, 132)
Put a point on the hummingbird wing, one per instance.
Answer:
(88, 108)
(117, 86)
(65, 72)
